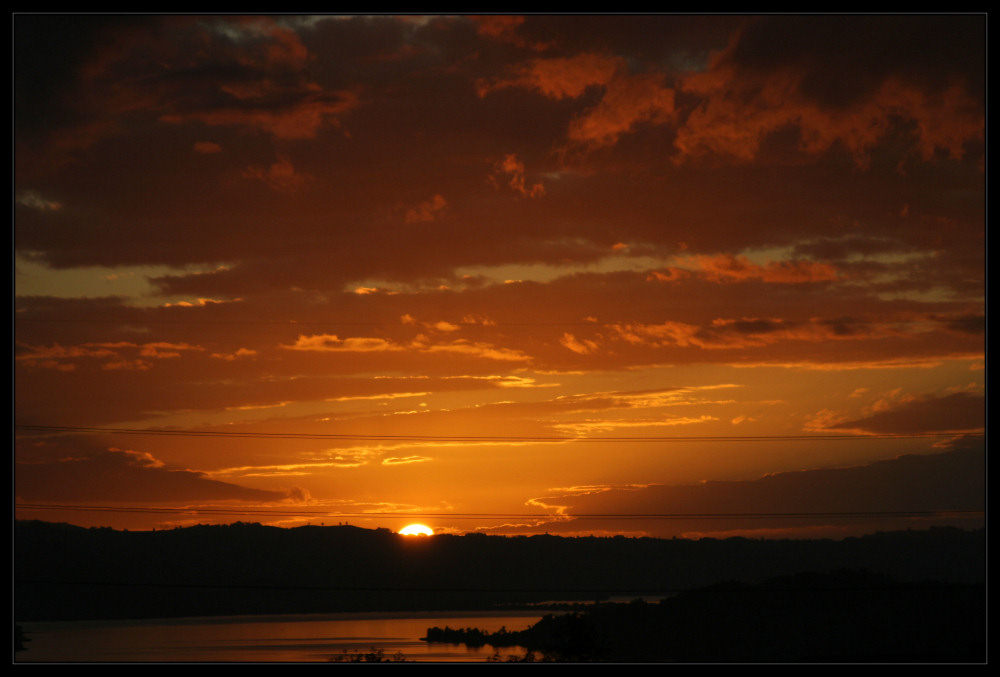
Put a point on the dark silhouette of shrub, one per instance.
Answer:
(375, 655)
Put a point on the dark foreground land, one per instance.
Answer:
(900, 596)
(843, 616)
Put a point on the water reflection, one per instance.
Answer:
(301, 638)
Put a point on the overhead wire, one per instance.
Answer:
(488, 438)
(395, 322)
(272, 512)
(652, 590)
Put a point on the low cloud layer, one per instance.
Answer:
(908, 490)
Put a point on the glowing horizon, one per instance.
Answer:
(501, 273)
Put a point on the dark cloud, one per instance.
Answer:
(906, 87)
(48, 52)
(843, 247)
(390, 134)
(846, 59)
(677, 42)
(967, 324)
(951, 413)
(952, 481)
(80, 471)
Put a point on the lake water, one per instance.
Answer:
(262, 639)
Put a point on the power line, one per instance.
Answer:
(247, 512)
(729, 589)
(397, 323)
(489, 438)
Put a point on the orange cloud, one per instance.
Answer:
(127, 365)
(730, 268)
(669, 275)
(163, 349)
(740, 108)
(304, 111)
(280, 176)
(582, 347)
(284, 49)
(56, 356)
(244, 72)
(559, 78)
(440, 325)
(405, 460)
(751, 332)
(332, 343)
(207, 147)
(514, 169)
(478, 349)
(57, 351)
(669, 334)
(496, 25)
(229, 357)
(627, 100)
(426, 210)
(201, 302)
(503, 28)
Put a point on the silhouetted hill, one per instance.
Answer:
(63, 572)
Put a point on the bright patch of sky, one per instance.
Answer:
(546, 272)
(935, 295)
(763, 256)
(129, 283)
(619, 261)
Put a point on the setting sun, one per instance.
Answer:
(417, 530)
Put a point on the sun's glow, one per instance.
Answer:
(417, 530)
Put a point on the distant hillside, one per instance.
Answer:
(63, 572)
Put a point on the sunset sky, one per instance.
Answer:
(565, 274)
